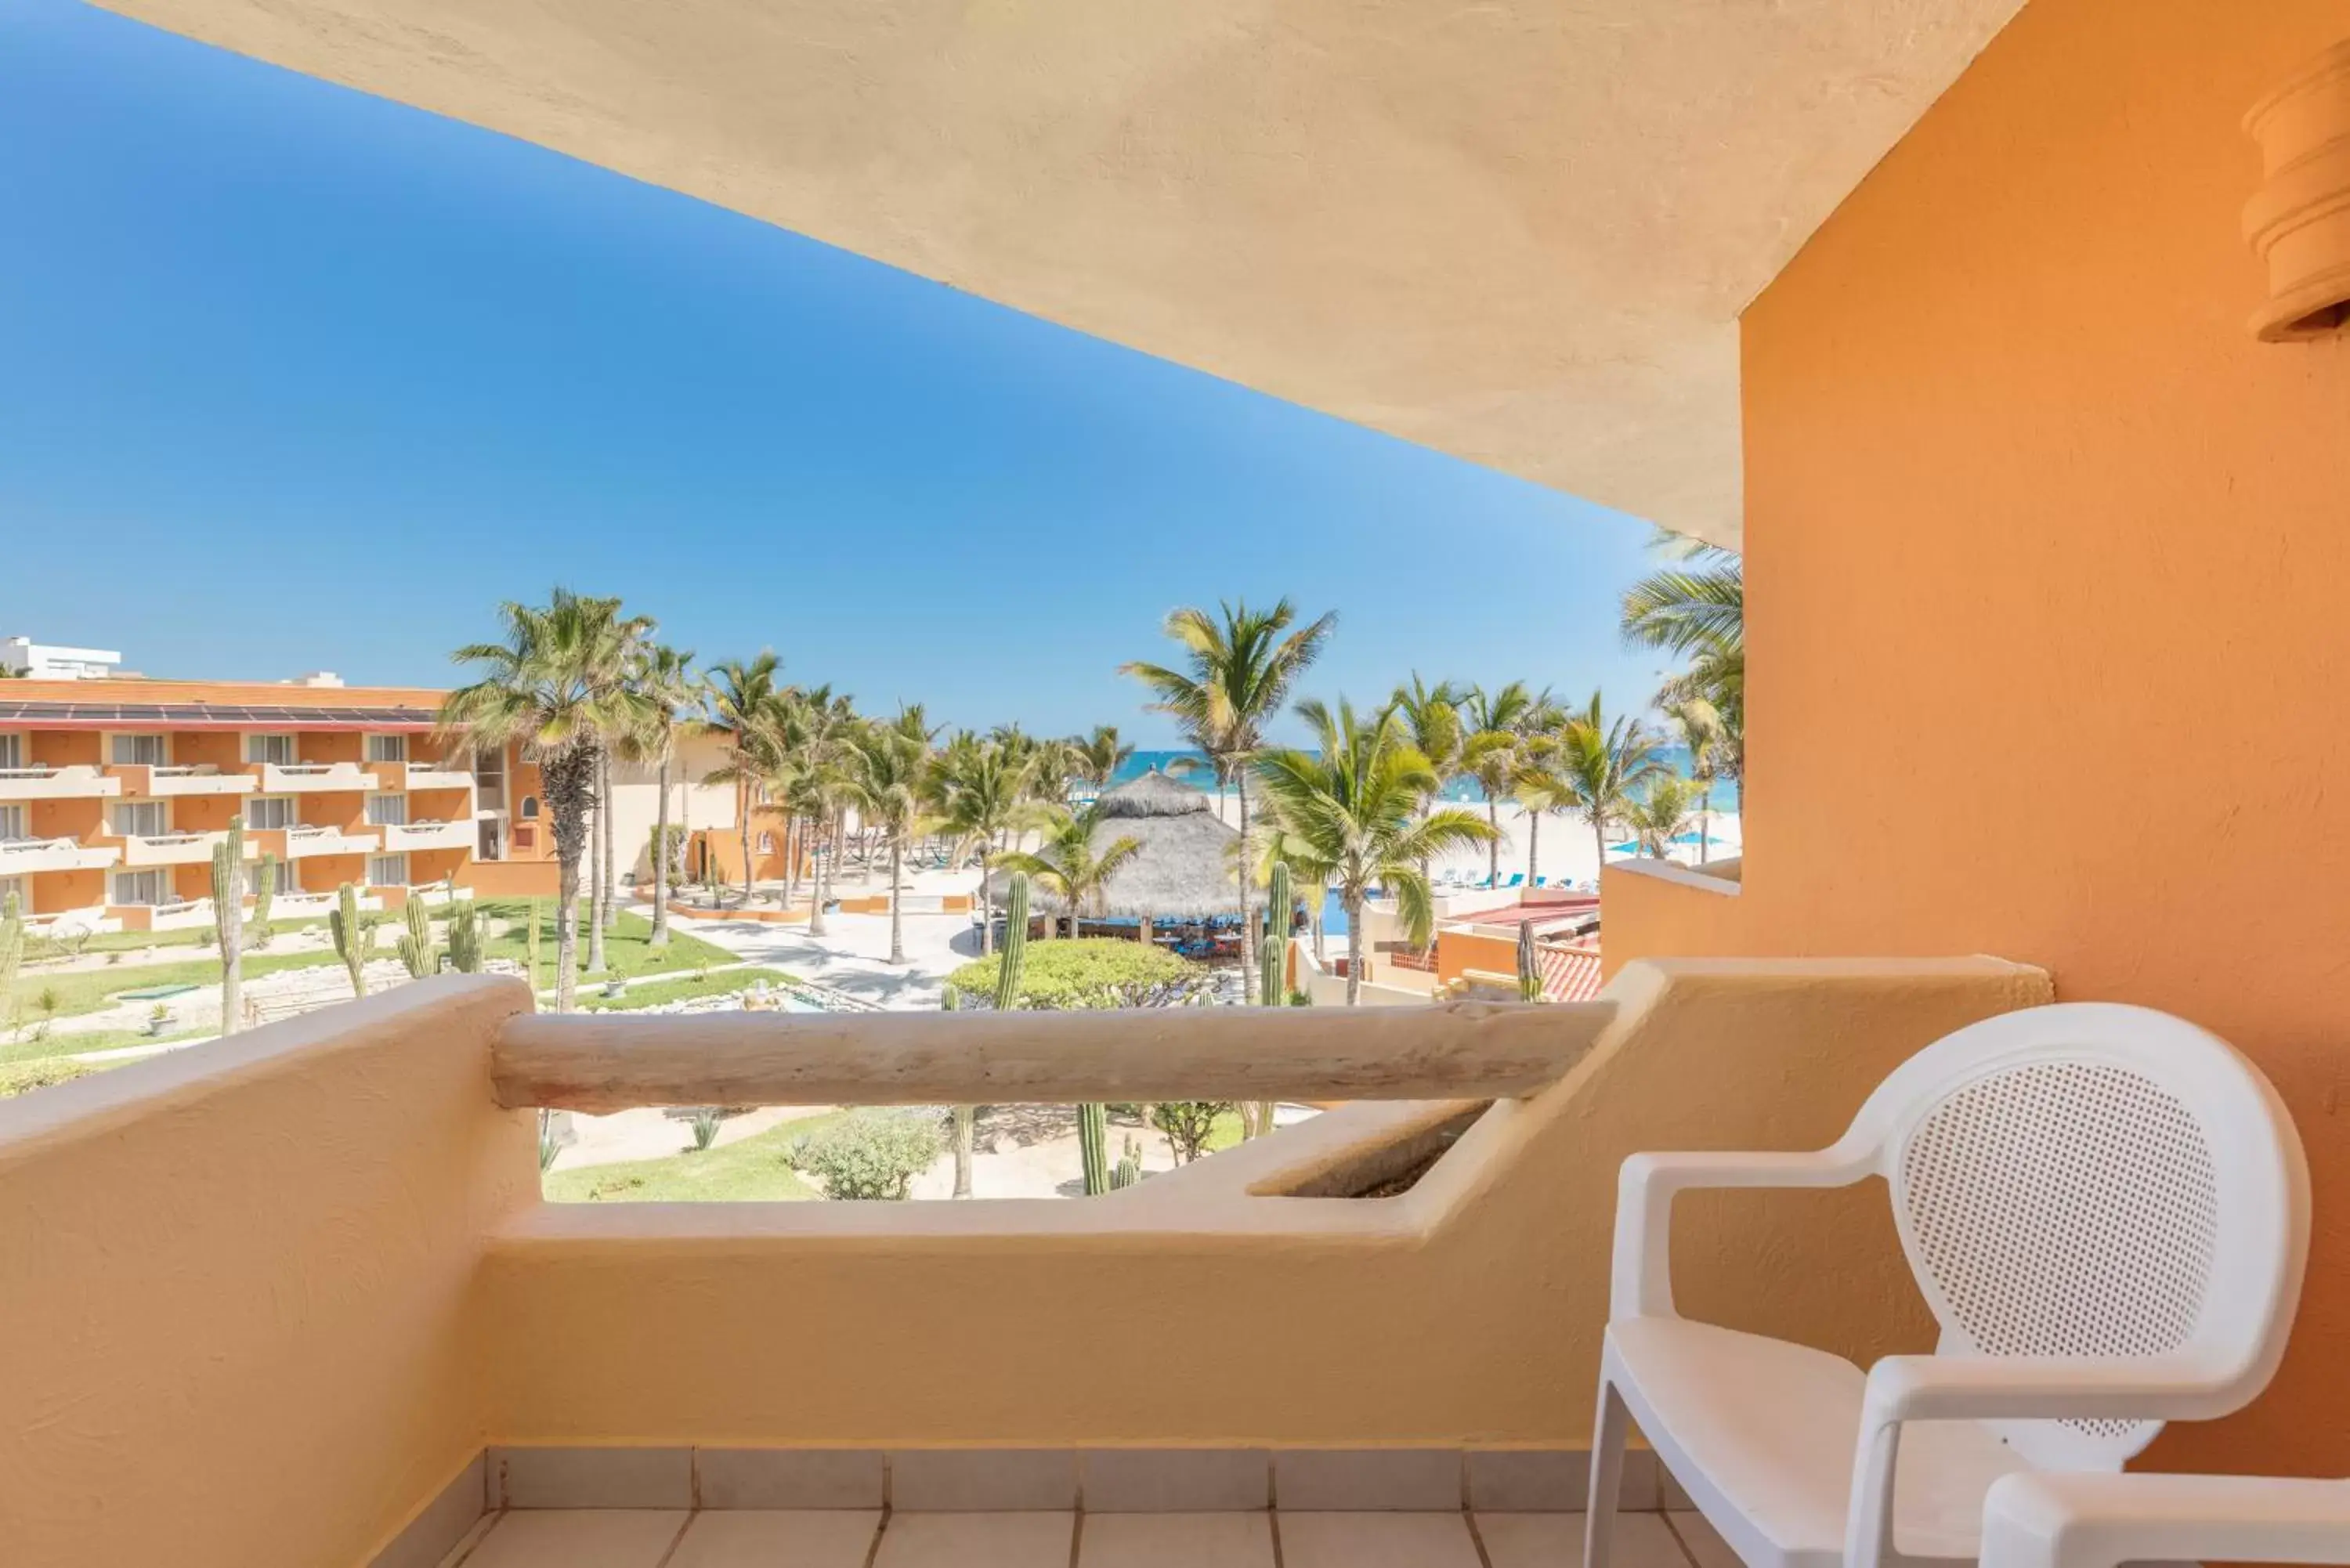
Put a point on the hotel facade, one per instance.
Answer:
(115, 793)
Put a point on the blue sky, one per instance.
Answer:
(291, 377)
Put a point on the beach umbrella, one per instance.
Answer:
(1629, 846)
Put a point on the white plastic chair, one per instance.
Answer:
(2107, 1211)
(2103, 1521)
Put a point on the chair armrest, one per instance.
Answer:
(2045, 1388)
(2081, 1520)
(1904, 1388)
(1640, 1283)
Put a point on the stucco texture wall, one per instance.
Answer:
(2045, 562)
(244, 1327)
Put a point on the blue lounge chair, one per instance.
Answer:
(1517, 880)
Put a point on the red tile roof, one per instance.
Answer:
(1568, 974)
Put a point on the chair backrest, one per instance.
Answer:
(2091, 1179)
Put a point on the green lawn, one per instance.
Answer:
(753, 1170)
(654, 993)
(88, 989)
(624, 950)
(144, 941)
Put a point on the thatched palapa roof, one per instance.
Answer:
(1184, 869)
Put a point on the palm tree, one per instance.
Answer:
(1604, 765)
(1698, 611)
(819, 787)
(1697, 724)
(1236, 675)
(981, 789)
(1066, 863)
(544, 685)
(1663, 816)
(887, 776)
(663, 677)
(1493, 749)
(743, 712)
(1095, 759)
(618, 640)
(1347, 816)
(1538, 787)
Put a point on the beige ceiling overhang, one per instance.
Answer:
(1514, 231)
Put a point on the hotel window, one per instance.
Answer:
(387, 748)
(490, 777)
(387, 870)
(138, 818)
(137, 750)
(269, 812)
(530, 808)
(12, 750)
(289, 879)
(18, 889)
(387, 810)
(143, 888)
(12, 823)
(277, 750)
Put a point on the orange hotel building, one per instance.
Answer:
(114, 793)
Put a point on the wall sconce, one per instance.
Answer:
(2300, 221)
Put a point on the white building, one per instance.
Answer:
(43, 661)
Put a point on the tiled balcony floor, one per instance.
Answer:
(650, 1538)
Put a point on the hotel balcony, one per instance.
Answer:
(316, 778)
(90, 921)
(305, 843)
(350, 1201)
(422, 777)
(76, 783)
(305, 906)
(147, 783)
(179, 915)
(401, 835)
(26, 857)
(171, 848)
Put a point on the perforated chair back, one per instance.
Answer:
(2095, 1180)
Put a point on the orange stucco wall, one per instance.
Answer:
(1459, 951)
(2045, 557)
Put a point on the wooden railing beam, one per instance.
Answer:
(1450, 1050)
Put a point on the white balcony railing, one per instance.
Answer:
(78, 783)
(24, 857)
(178, 915)
(68, 923)
(172, 848)
(431, 775)
(315, 778)
(405, 835)
(200, 779)
(301, 843)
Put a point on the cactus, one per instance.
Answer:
(416, 949)
(264, 893)
(1530, 985)
(465, 937)
(1015, 944)
(1273, 977)
(354, 935)
(1092, 1143)
(530, 944)
(1129, 1168)
(228, 921)
(965, 1118)
(12, 954)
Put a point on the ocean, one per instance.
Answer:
(1465, 791)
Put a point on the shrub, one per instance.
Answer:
(871, 1153)
(705, 1127)
(1187, 1124)
(22, 1077)
(1091, 972)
